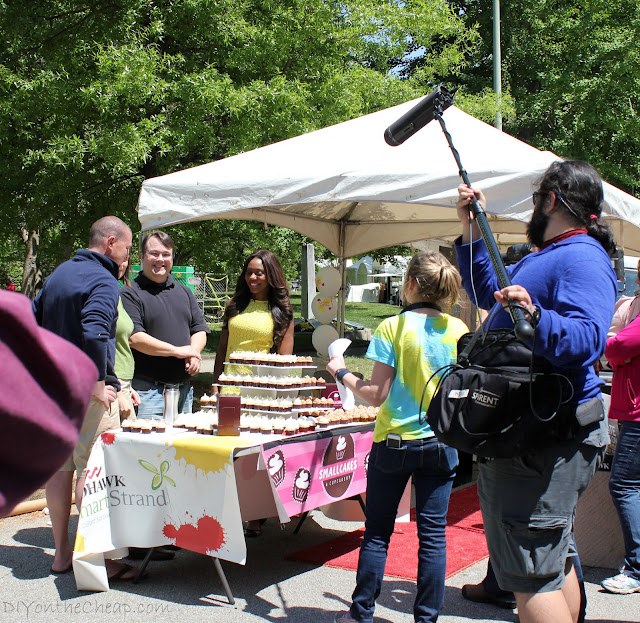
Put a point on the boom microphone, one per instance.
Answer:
(432, 107)
(421, 114)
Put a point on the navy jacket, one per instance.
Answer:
(79, 302)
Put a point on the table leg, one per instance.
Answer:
(223, 579)
(143, 566)
(301, 521)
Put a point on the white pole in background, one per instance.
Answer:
(497, 60)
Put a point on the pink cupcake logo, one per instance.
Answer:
(276, 467)
(301, 485)
(341, 446)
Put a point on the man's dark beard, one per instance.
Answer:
(537, 227)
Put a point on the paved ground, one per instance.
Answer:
(268, 588)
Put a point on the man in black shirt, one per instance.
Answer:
(169, 329)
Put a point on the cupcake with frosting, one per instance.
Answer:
(276, 467)
(301, 485)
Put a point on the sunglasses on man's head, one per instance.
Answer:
(536, 195)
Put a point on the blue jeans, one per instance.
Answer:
(152, 399)
(624, 485)
(432, 466)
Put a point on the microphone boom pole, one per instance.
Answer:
(431, 108)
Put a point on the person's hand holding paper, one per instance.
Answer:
(336, 362)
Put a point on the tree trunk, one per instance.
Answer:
(31, 275)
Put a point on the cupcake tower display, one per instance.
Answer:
(273, 384)
(280, 383)
(206, 422)
(301, 405)
(133, 425)
(270, 360)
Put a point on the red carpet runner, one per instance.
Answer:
(465, 542)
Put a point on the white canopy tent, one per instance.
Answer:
(345, 188)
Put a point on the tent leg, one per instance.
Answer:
(342, 297)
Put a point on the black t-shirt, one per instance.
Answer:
(169, 312)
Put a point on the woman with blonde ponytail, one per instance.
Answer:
(407, 350)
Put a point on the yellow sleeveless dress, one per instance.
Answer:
(251, 330)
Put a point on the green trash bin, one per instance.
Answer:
(182, 274)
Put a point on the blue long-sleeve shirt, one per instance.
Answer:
(573, 283)
(79, 302)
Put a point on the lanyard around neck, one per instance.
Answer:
(421, 304)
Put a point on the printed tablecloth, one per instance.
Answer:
(319, 469)
(150, 490)
(158, 489)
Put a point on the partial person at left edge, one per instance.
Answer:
(45, 389)
(79, 302)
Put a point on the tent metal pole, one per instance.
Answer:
(342, 296)
(342, 241)
(343, 281)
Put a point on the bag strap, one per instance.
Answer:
(484, 327)
(482, 331)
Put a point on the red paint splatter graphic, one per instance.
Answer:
(108, 438)
(206, 537)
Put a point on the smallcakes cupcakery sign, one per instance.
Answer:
(310, 474)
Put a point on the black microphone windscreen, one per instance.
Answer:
(415, 119)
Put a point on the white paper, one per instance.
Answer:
(337, 349)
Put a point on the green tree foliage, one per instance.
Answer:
(97, 96)
(572, 69)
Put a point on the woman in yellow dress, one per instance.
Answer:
(258, 318)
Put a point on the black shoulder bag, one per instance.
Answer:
(499, 400)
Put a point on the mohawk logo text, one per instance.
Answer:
(96, 486)
(94, 473)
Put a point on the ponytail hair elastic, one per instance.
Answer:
(594, 217)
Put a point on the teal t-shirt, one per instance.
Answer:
(416, 346)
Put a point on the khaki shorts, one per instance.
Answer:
(96, 421)
(125, 389)
(528, 507)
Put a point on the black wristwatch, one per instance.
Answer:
(340, 374)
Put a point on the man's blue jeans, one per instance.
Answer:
(152, 399)
(432, 466)
(624, 485)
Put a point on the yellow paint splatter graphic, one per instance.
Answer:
(79, 546)
(210, 454)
